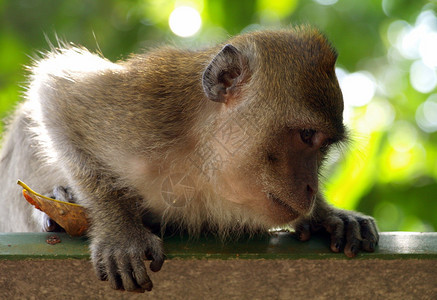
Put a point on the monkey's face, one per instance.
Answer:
(283, 108)
(274, 166)
(277, 179)
(291, 170)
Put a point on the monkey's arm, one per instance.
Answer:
(120, 243)
(350, 231)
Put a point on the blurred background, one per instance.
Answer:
(387, 69)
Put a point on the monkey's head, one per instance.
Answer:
(279, 110)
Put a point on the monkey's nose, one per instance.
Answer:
(309, 198)
(310, 193)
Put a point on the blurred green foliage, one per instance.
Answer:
(389, 169)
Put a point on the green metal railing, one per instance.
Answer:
(278, 245)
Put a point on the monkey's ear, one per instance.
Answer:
(222, 76)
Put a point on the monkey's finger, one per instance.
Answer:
(335, 226)
(140, 273)
(99, 266)
(155, 253)
(353, 238)
(126, 272)
(127, 280)
(113, 276)
(302, 231)
(369, 233)
(157, 262)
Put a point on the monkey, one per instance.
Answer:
(229, 139)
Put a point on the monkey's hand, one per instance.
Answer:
(119, 258)
(350, 231)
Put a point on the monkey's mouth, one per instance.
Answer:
(282, 204)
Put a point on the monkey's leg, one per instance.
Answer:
(350, 231)
(21, 158)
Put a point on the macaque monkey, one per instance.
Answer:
(229, 139)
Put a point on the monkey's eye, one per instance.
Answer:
(307, 136)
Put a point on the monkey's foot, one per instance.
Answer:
(350, 231)
(120, 259)
(56, 213)
(62, 194)
(49, 225)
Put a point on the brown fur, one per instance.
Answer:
(119, 134)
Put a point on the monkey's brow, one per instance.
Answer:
(339, 138)
(336, 135)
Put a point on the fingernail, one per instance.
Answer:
(155, 265)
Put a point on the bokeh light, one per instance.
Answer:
(185, 21)
(426, 114)
(326, 2)
(418, 42)
(402, 136)
(358, 88)
(379, 115)
(423, 78)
